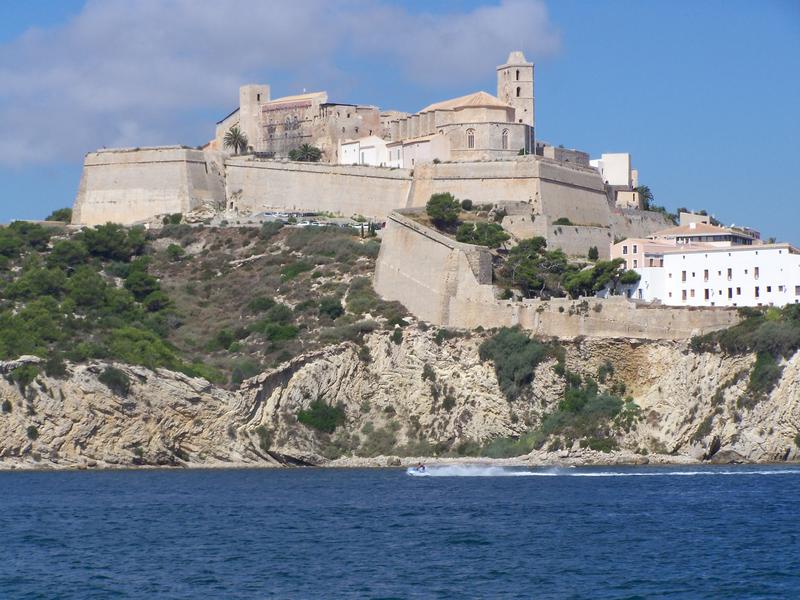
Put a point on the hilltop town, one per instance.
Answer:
(337, 284)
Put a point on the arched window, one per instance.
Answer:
(505, 139)
(470, 138)
(517, 74)
(518, 91)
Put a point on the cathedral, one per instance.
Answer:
(478, 126)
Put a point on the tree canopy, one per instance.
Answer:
(236, 140)
(443, 210)
(306, 153)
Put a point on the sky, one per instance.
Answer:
(704, 95)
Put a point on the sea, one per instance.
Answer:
(452, 532)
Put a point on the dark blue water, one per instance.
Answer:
(384, 534)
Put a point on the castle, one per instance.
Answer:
(479, 146)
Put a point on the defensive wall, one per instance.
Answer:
(450, 284)
(135, 184)
(254, 185)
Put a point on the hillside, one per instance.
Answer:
(266, 346)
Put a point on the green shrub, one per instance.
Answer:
(331, 306)
(264, 438)
(379, 442)
(269, 230)
(294, 269)
(491, 235)
(515, 357)
(397, 336)
(141, 284)
(175, 252)
(605, 371)
(765, 375)
(54, 365)
(703, 429)
(443, 210)
(33, 432)
(562, 221)
(260, 304)
(61, 214)
(322, 417)
(115, 380)
(173, 219)
(67, 253)
(428, 374)
(347, 333)
(466, 204)
(23, 376)
(593, 253)
(113, 242)
(601, 444)
(7, 408)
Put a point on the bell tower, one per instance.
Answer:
(515, 87)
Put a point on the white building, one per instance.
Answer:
(370, 150)
(615, 168)
(757, 275)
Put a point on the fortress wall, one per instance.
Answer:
(551, 188)
(258, 185)
(637, 223)
(432, 276)
(575, 240)
(132, 185)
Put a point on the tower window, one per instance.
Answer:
(518, 77)
(258, 97)
(470, 138)
(505, 139)
(518, 91)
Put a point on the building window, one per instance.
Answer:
(624, 249)
(769, 289)
(755, 272)
(505, 139)
(707, 294)
(635, 263)
(683, 275)
(635, 248)
(470, 138)
(683, 295)
(730, 274)
(758, 293)
(692, 294)
(730, 292)
(797, 290)
(517, 77)
(641, 294)
(738, 291)
(518, 91)
(705, 275)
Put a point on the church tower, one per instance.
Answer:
(515, 87)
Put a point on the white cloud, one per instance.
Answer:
(142, 73)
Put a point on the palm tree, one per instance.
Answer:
(306, 153)
(645, 195)
(236, 140)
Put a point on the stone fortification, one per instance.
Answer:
(254, 185)
(129, 186)
(450, 284)
(133, 185)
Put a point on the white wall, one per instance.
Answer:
(615, 168)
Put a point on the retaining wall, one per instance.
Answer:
(449, 284)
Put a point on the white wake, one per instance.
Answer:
(494, 471)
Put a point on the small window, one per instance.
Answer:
(635, 263)
(692, 294)
(758, 292)
(683, 295)
(730, 274)
(797, 290)
(738, 291)
(683, 275)
(517, 77)
(705, 275)
(755, 272)
(519, 90)
(635, 248)
(730, 292)
(769, 289)
(624, 249)
(504, 140)
(707, 294)
(470, 138)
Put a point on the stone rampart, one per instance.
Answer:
(434, 277)
(255, 185)
(133, 185)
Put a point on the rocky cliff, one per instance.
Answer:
(414, 393)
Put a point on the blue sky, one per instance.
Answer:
(705, 95)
